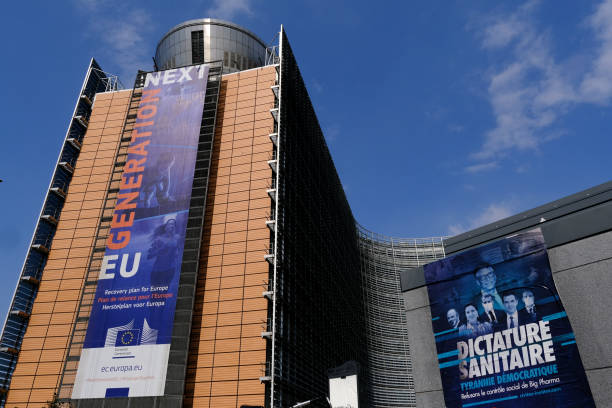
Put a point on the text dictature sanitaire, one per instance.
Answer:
(524, 346)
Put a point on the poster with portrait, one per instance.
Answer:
(502, 335)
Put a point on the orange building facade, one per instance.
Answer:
(227, 353)
(270, 294)
(45, 344)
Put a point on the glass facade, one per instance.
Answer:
(337, 284)
(317, 317)
(383, 258)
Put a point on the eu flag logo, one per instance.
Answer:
(129, 337)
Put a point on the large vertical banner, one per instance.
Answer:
(502, 335)
(125, 352)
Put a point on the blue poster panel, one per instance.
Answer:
(126, 347)
(502, 335)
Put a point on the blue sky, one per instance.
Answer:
(440, 116)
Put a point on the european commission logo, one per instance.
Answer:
(130, 337)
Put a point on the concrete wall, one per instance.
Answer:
(582, 271)
(427, 381)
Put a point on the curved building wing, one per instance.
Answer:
(383, 259)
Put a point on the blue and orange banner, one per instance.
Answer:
(125, 353)
(502, 334)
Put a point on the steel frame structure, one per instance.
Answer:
(317, 317)
(390, 379)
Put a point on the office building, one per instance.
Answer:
(278, 282)
(271, 291)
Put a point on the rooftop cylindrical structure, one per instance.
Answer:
(207, 39)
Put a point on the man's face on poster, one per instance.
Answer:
(528, 298)
(453, 317)
(487, 303)
(510, 303)
(486, 279)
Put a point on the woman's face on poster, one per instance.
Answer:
(170, 227)
(471, 314)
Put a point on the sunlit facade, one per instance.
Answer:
(278, 282)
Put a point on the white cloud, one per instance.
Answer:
(481, 167)
(125, 46)
(455, 128)
(531, 90)
(90, 5)
(228, 9)
(317, 86)
(127, 43)
(523, 168)
(494, 212)
(331, 132)
(501, 30)
(597, 84)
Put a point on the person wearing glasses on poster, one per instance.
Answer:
(486, 281)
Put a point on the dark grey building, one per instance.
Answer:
(578, 234)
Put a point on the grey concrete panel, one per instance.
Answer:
(579, 225)
(416, 298)
(412, 278)
(588, 250)
(580, 205)
(423, 351)
(430, 399)
(585, 293)
(600, 382)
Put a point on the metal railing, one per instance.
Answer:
(272, 57)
